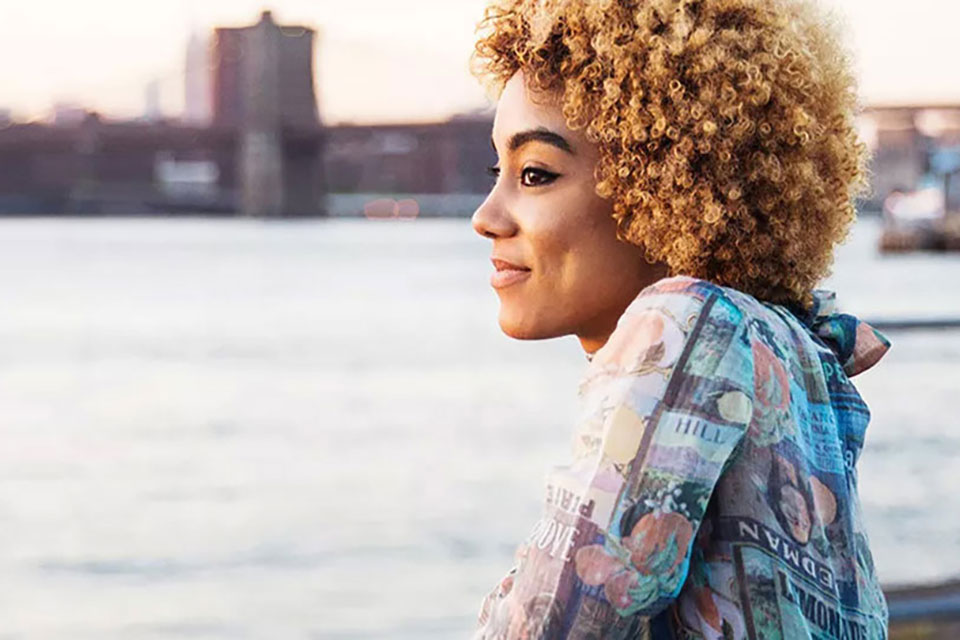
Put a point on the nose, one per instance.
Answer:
(491, 220)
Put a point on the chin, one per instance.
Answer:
(528, 328)
(518, 333)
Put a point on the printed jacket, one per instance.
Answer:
(712, 489)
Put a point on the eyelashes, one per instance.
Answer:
(543, 177)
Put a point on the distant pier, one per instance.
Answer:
(925, 613)
(916, 324)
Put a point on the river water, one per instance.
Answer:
(242, 429)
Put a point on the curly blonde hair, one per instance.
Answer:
(726, 128)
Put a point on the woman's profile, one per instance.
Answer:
(672, 179)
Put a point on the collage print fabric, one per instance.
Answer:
(712, 487)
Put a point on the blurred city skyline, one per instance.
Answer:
(376, 60)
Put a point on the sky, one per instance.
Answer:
(377, 60)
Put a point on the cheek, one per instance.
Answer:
(573, 245)
(554, 238)
(600, 261)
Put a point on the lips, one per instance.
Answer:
(507, 273)
(502, 265)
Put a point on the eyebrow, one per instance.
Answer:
(540, 134)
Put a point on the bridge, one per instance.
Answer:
(263, 150)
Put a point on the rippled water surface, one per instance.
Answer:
(236, 429)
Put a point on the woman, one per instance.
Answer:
(673, 176)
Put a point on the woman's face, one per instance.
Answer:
(544, 215)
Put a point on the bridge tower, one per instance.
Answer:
(263, 90)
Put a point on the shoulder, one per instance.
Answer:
(696, 303)
(673, 320)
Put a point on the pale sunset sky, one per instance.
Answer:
(377, 60)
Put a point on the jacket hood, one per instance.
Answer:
(857, 344)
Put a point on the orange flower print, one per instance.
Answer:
(771, 419)
(659, 542)
(771, 386)
(618, 588)
(645, 565)
(596, 567)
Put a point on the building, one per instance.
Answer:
(273, 62)
(68, 114)
(198, 84)
(263, 88)
(902, 140)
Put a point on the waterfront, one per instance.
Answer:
(244, 429)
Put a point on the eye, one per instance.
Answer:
(544, 177)
(541, 177)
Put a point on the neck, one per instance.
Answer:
(592, 338)
(591, 344)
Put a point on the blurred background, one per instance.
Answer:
(251, 379)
